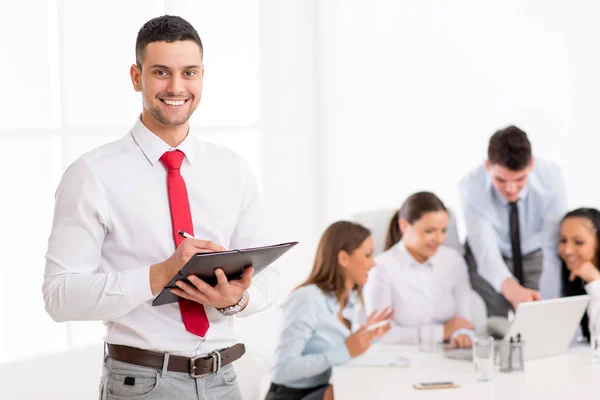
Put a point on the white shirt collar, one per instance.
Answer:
(407, 260)
(154, 147)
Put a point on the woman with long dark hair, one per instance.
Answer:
(579, 249)
(320, 318)
(425, 282)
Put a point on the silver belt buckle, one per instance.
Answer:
(193, 366)
(216, 356)
(216, 363)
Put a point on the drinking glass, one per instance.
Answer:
(483, 357)
(595, 344)
(427, 338)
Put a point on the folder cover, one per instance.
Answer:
(232, 262)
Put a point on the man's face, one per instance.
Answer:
(507, 182)
(170, 81)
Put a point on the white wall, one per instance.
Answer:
(413, 90)
(290, 127)
(280, 145)
(360, 104)
(290, 136)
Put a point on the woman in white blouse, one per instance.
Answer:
(579, 249)
(425, 282)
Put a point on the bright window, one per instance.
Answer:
(70, 91)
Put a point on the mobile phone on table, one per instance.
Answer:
(435, 385)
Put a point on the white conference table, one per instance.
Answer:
(571, 375)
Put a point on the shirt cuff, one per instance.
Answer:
(466, 332)
(254, 304)
(338, 355)
(138, 280)
(593, 288)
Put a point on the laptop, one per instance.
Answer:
(546, 326)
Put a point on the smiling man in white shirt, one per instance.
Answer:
(512, 208)
(114, 243)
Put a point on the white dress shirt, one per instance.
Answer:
(429, 293)
(593, 310)
(112, 221)
(542, 204)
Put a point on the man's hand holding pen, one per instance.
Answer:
(224, 294)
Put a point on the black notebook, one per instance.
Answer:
(232, 262)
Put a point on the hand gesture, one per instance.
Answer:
(524, 295)
(360, 341)
(377, 318)
(224, 294)
(517, 294)
(161, 274)
(586, 271)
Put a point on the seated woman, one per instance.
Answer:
(319, 315)
(424, 282)
(579, 249)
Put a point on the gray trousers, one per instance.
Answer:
(147, 383)
(496, 304)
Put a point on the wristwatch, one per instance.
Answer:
(236, 308)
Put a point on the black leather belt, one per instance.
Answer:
(195, 366)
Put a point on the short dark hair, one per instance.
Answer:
(510, 148)
(167, 28)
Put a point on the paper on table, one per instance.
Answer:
(379, 359)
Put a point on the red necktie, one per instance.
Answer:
(192, 313)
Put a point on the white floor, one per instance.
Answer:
(70, 375)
